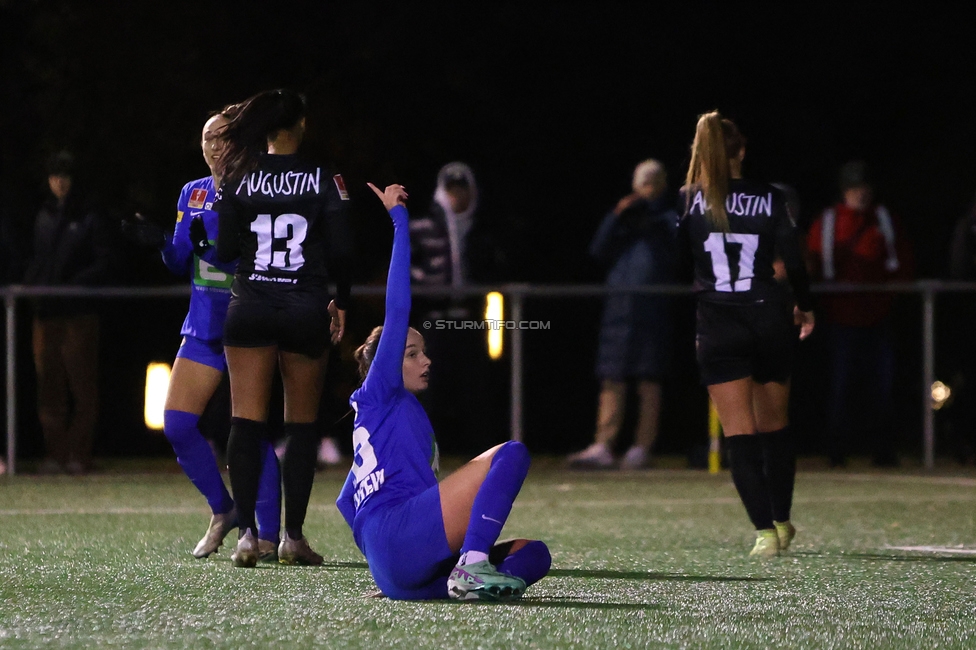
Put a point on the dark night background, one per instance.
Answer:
(552, 106)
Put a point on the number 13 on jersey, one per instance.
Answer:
(715, 246)
(288, 228)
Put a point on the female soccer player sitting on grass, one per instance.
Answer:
(424, 539)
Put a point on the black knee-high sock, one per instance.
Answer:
(245, 457)
(745, 453)
(298, 473)
(779, 455)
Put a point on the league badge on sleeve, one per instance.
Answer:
(197, 198)
(341, 186)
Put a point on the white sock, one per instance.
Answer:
(472, 557)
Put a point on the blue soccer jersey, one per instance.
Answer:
(211, 281)
(396, 454)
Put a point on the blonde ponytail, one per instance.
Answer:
(716, 141)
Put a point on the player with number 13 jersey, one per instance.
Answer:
(287, 220)
(295, 237)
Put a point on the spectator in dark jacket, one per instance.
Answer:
(637, 242)
(72, 246)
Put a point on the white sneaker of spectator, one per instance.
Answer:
(596, 456)
(635, 458)
(329, 453)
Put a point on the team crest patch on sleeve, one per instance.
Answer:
(197, 198)
(179, 216)
(341, 186)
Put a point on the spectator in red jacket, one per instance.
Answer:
(859, 241)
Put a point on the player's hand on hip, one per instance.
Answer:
(337, 326)
(805, 320)
(392, 196)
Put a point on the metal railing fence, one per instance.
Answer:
(515, 298)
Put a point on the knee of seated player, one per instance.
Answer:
(514, 453)
(541, 553)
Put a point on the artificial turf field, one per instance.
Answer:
(640, 559)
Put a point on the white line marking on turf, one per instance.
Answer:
(330, 509)
(960, 481)
(100, 511)
(651, 502)
(955, 550)
(161, 510)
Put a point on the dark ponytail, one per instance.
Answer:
(249, 125)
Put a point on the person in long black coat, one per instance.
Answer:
(636, 241)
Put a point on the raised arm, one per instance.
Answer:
(386, 371)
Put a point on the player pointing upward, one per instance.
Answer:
(425, 539)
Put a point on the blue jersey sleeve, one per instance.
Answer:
(385, 374)
(345, 503)
(178, 251)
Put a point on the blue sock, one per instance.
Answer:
(494, 500)
(531, 562)
(268, 507)
(194, 455)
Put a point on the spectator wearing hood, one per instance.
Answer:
(454, 246)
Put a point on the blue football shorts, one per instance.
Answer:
(209, 353)
(406, 548)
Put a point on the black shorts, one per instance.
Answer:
(294, 321)
(735, 341)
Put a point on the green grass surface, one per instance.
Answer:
(650, 559)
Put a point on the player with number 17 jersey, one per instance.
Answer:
(737, 266)
(734, 271)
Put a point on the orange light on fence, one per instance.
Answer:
(157, 383)
(494, 315)
(940, 395)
